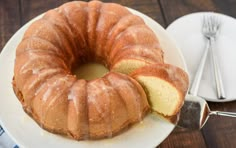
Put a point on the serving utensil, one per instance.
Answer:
(195, 111)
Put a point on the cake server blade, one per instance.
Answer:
(195, 113)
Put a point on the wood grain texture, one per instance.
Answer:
(218, 131)
(33, 8)
(9, 20)
(226, 6)
(184, 138)
(149, 7)
(174, 9)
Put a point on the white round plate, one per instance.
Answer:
(26, 133)
(187, 33)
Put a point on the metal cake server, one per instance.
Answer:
(195, 113)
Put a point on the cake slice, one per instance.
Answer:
(165, 86)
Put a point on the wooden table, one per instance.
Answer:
(218, 132)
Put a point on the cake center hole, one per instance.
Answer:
(90, 71)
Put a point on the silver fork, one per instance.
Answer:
(210, 28)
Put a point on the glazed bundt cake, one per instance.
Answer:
(165, 86)
(69, 36)
(77, 33)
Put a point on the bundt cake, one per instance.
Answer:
(74, 34)
(77, 33)
(165, 86)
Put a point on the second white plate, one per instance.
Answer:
(187, 32)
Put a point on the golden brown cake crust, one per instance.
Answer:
(173, 74)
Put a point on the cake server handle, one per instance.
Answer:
(221, 113)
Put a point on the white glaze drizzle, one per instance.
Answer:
(29, 65)
(72, 95)
(127, 85)
(62, 81)
(49, 24)
(173, 75)
(41, 76)
(94, 98)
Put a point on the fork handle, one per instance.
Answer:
(217, 73)
(196, 81)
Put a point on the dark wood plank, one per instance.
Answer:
(219, 131)
(33, 8)
(9, 20)
(174, 9)
(184, 138)
(149, 7)
(226, 7)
